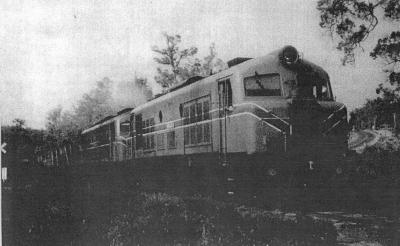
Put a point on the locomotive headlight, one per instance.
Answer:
(289, 55)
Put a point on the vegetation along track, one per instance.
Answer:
(348, 214)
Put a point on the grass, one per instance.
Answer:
(161, 219)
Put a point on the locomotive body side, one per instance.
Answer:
(233, 126)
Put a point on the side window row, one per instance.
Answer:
(194, 113)
(198, 133)
(148, 127)
(149, 142)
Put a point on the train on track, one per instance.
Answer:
(263, 122)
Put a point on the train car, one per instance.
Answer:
(109, 140)
(270, 119)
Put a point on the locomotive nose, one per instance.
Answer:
(310, 118)
(318, 128)
(305, 115)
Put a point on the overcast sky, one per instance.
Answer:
(51, 52)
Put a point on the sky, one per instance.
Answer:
(51, 52)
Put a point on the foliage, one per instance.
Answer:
(387, 142)
(352, 22)
(209, 65)
(21, 142)
(388, 50)
(376, 112)
(105, 99)
(94, 105)
(37, 206)
(181, 64)
(171, 56)
(212, 63)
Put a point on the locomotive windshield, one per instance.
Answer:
(313, 85)
(263, 85)
(321, 91)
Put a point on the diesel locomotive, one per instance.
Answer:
(263, 122)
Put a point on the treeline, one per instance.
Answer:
(107, 98)
(377, 113)
(21, 143)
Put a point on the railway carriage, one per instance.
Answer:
(109, 140)
(272, 118)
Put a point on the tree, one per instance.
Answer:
(53, 119)
(388, 50)
(375, 112)
(19, 124)
(352, 22)
(172, 56)
(61, 125)
(212, 64)
(94, 105)
(21, 142)
(181, 64)
(105, 99)
(209, 65)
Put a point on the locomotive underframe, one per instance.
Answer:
(262, 178)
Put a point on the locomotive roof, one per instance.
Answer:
(124, 111)
(187, 82)
(270, 58)
(102, 120)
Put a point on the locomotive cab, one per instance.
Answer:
(298, 129)
(299, 118)
(319, 123)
